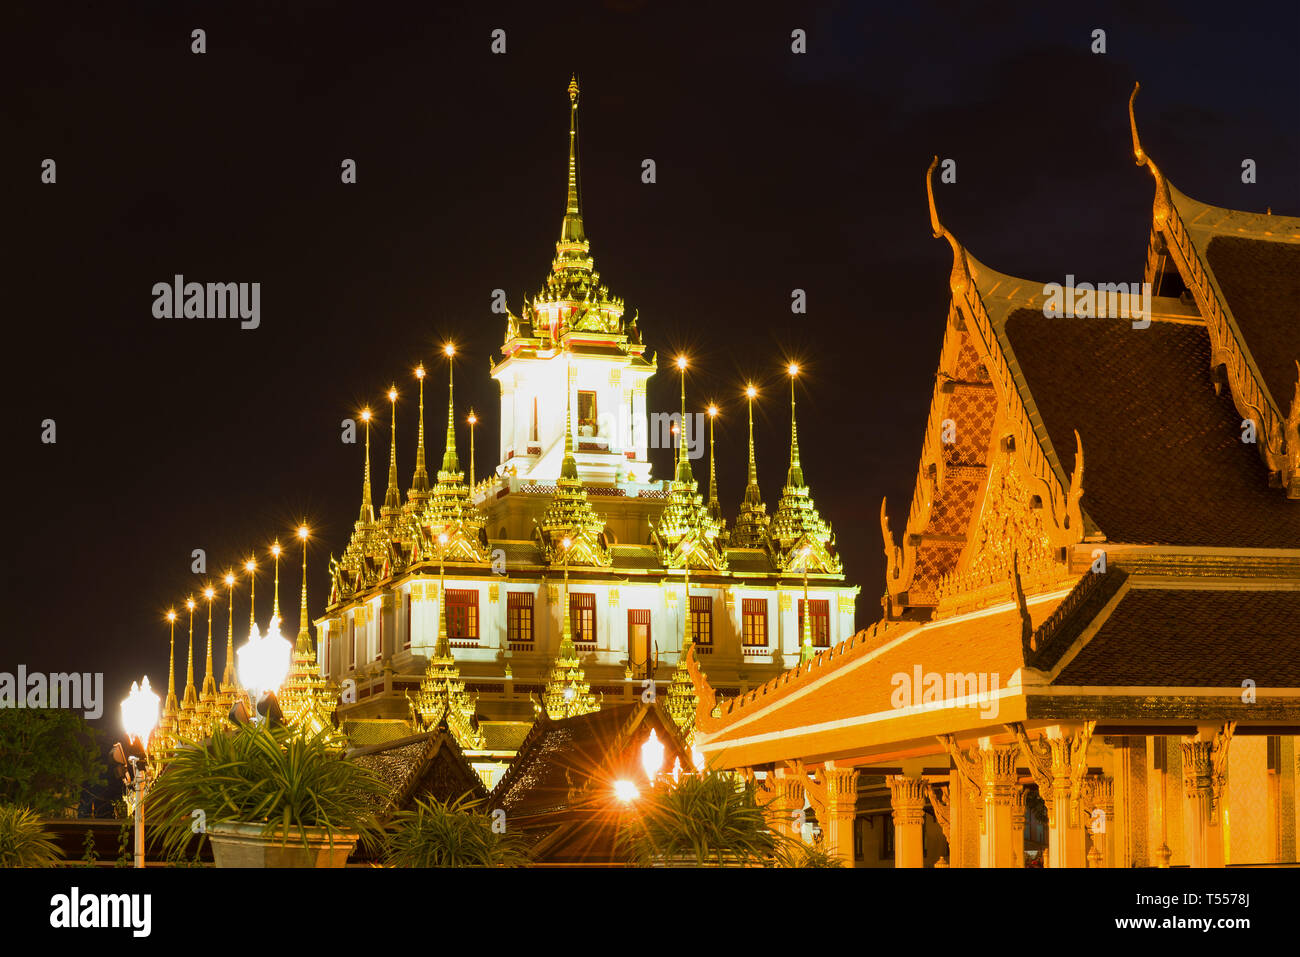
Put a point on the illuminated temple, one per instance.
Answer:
(569, 579)
(1089, 653)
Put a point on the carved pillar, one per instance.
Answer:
(1199, 795)
(834, 795)
(941, 804)
(1130, 839)
(1101, 823)
(787, 800)
(998, 784)
(1058, 769)
(907, 798)
(1018, 825)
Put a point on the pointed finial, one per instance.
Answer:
(392, 497)
(571, 230)
(209, 594)
(420, 482)
(275, 605)
(750, 394)
(189, 673)
(367, 516)
(450, 461)
(250, 566)
(715, 507)
(795, 476)
(171, 660)
(228, 675)
(683, 462)
(1161, 206)
(1139, 155)
(960, 278)
(569, 467)
(304, 628)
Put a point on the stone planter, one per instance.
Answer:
(244, 845)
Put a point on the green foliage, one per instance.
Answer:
(23, 841)
(89, 856)
(125, 841)
(708, 819)
(456, 834)
(799, 854)
(48, 758)
(285, 780)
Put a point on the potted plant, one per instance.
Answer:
(23, 840)
(704, 820)
(450, 834)
(266, 797)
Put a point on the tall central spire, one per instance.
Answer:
(795, 476)
(450, 460)
(683, 462)
(367, 516)
(571, 229)
(751, 524)
(569, 467)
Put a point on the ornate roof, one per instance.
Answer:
(797, 527)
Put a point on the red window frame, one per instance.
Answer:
(520, 620)
(753, 621)
(462, 615)
(582, 617)
(821, 622)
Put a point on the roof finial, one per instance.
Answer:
(683, 462)
(571, 230)
(392, 497)
(960, 273)
(1138, 154)
(420, 482)
(569, 467)
(795, 476)
(367, 516)
(715, 507)
(450, 461)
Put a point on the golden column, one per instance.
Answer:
(998, 784)
(907, 799)
(229, 681)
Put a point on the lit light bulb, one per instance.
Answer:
(189, 604)
(275, 549)
(751, 391)
(419, 371)
(365, 415)
(303, 532)
(793, 368)
(392, 395)
(681, 362)
(566, 543)
(442, 538)
(473, 419)
(208, 593)
(229, 579)
(713, 410)
(626, 791)
(652, 755)
(171, 615)
(449, 349)
(250, 566)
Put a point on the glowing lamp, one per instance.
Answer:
(473, 419)
(697, 759)
(140, 711)
(275, 549)
(681, 362)
(419, 372)
(171, 615)
(793, 368)
(626, 791)
(449, 349)
(250, 566)
(442, 538)
(713, 410)
(303, 532)
(229, 579)
(365, 415)
(392, 395)
(652, 755)
(208, 593)
(750, 391)
(189, 603)
(567, 543)
(264, 660)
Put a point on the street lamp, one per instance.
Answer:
(264, 661)
(139, 718)
(652, 756)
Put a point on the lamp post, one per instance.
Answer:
(264, 661)
(139, 717)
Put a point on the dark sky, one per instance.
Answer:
(775, 171)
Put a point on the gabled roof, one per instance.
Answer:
(421, 766)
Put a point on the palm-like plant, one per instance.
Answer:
(23, 840)
(708, 819)
(450, 834)
(286, 781)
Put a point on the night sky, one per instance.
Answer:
(775, 171)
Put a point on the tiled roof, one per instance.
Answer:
(504, 735)
(421, 766)
(752, 561)
(1163, 458)
(634, 556)
(1194, 639)
(1261, 281)
(372, 731)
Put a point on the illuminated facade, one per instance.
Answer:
(1090, 619)
(569, 577)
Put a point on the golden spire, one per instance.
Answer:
(275, 550)
(250, 566)
(171, 706)
(367, 516)
(304, 629)
(473, 421)
(420, 483)
(751, 524)
(571, 229)
(228, 675)
(569, 467)
(190, 700)
(442, 649)
(392, 497)
(450, 461)
(567, 649)
(715, 507)
(795, 475)
(683, 463)
(209, 680)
